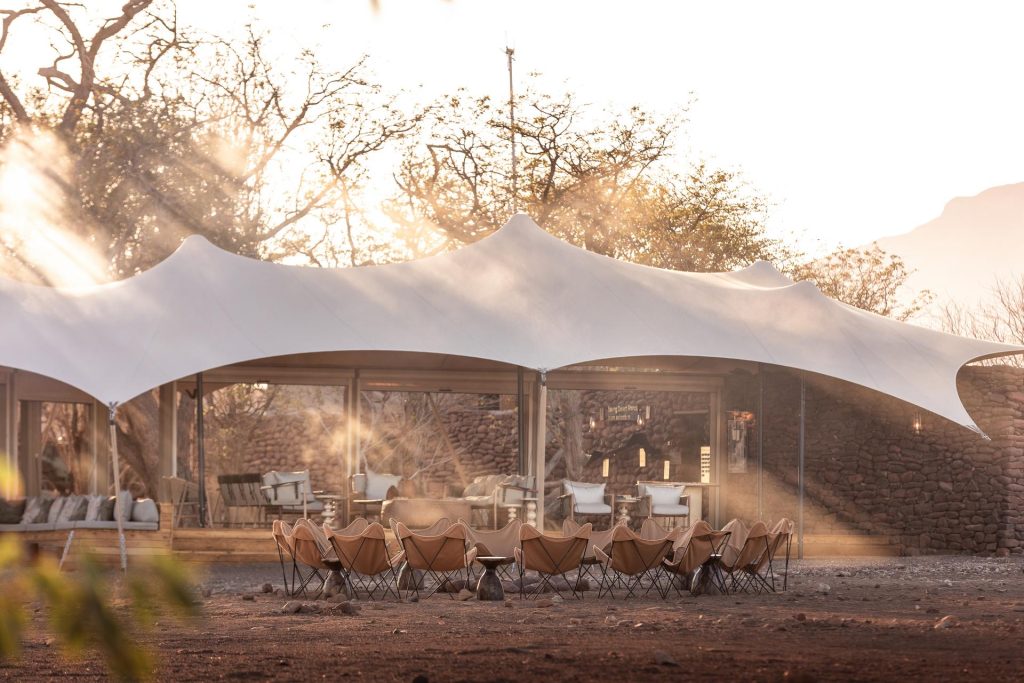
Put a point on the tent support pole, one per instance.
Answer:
(800, 469)
(349, 419)
(201, 448)
(760, 441)
(118, 513)
(358, 427)
(540, 443)
(521, 421)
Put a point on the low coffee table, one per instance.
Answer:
(489, 585)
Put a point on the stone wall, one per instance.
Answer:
(939, 488)
(876, 465)
(482, 442)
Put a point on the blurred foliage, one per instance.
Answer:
(870, 279)
(84, 610)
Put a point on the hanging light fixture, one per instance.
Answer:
(643, 457)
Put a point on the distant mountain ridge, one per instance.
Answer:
(975, 240)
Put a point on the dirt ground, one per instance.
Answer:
(862, 620)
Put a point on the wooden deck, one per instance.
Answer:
(224, 545)
(247, 545)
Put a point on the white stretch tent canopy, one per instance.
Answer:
(519, 296)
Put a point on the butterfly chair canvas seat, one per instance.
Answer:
(694, 553)
(312, 549)
(598, 539)
(441, 556)
(635, 558)
(741, 565)
(550, 557)
(366, 561)
(500, 543)
(285, 553)
(761, 575)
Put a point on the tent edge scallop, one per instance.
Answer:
(520, 232)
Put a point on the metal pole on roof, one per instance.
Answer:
(760, 441)
(800, 469)
(201, 448)
(510, 53)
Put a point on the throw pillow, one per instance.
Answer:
(43, 511)
(55, 508)
(474, 489)
(123, 507)
(11, 511)
(586, 494)
(145, 510)
(31, 510)
(377, 485)
(106, 511)
(77, 512)
(70, 507)
(92, 513)
(664, 495)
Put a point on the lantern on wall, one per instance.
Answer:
(918, 425)
(667, 468)
(643, 457)
(605, 467)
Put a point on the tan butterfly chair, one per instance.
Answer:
(694, 558)
(550, 556)
(762, 574)
(742, 566)
(631, 556)
(651, 530)
(440, 556)
(355, 527)
(366, 561)
(311, 548)
(737, 536)
(598, 539)
(785, 528)
(283, 540)
(500, 543)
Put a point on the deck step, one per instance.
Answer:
(848, 545)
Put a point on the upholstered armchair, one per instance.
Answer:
(491, 493)
(369, 490)
(292, 492)
(582, 498)
(662, 499)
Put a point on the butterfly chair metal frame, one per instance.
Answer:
(313, 552)
(479, 538)
(419, 555)
(282, 539)
(569, 551)
(708, 571)
(755, 550)
(370, 552)
(628, 547)
(589, 563)
(760, 575)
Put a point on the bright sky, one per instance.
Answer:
(858, 119)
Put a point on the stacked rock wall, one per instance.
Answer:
(872, 464)
(876, 465)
